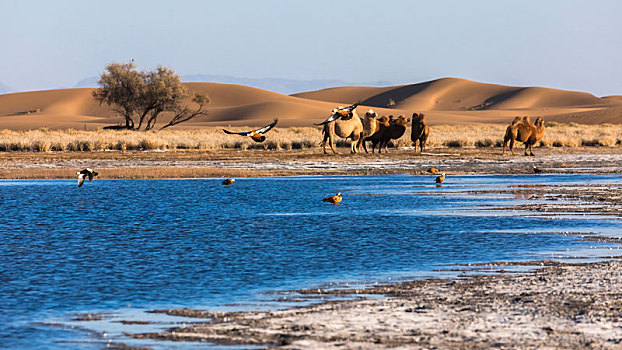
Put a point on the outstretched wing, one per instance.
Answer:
(267, 128)
(245, 133)
(333, 117)
(80, 180)
(351, 107)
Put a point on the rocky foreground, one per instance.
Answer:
(566, 306)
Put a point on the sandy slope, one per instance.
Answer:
(446, 101)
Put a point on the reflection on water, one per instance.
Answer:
(118, 245)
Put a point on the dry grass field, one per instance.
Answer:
(457, 136)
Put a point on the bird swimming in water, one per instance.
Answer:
(333, 199)
(432, 170)
(536, 170)
(255, 135)
(340, 113)
(82, 174)
(228, 181)
(440, 179)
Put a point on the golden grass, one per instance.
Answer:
(461, 136)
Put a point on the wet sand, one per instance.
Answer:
(237, 163)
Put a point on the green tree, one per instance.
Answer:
(141, 97)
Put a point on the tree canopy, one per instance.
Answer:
(142, 96)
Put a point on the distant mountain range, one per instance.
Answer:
(4, 88)
(280, 85)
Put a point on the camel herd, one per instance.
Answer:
(380, 130)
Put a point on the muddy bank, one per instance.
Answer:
(563, 306)
(237, 163)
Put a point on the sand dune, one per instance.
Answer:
(451, 94)
(445, 101)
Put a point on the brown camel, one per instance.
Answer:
(396, 129)
(420, 131)
(524, 131)
(383, 124)
(346, 126)
(371, 127)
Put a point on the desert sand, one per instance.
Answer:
(445, 101)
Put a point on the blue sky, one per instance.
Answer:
(575, 45)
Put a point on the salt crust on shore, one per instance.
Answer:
(566, 306)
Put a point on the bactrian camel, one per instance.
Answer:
(524, 131)
(345, 123)
(420, 131)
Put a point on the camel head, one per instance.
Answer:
(370, 114)
(516, 120)
(400, 120)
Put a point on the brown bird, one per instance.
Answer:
(255, 135)
(82, 174)
(432, 170)
(340, 113)
(440, 179)
(228, 181)
(333, 199)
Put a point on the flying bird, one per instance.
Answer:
(340, 112)
(84, 173)
(228, 181)
(333, 199)
(440, 179)
(255, 135)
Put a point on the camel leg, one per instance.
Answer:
(324, 142)
(422, 145)
(358, 143)
(355, 146)
(526, 147)
(364, 145)
(512, 146)
(332, 143)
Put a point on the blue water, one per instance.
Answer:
(142, 244)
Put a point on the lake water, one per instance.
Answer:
(123, 246)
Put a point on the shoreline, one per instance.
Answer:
(566, 305)
(254, 163)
